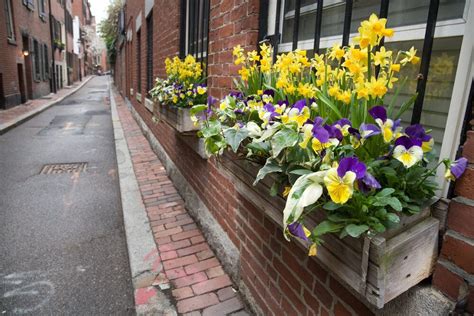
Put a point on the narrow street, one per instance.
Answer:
(63, 248)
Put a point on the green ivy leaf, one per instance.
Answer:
(211, 129)
(286, 137)
(271, 166)
(234, 136)
(300, 172)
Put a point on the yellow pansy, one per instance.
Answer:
(340, 189)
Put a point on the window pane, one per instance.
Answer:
(401, 13)
(443, 66)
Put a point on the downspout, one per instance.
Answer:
(53, 72)
(65, 43)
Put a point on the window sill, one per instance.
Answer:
(149, 104)
(11, 41)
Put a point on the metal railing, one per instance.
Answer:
(275, 39)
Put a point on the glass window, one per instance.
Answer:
(9, 20)
(197, 29)
(401, 13)
(139, 60)
(439, 88)
(149, 52)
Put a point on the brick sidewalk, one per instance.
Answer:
(31, 106)
(198, 282)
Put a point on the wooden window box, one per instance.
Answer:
(377, 269)
(178, 118)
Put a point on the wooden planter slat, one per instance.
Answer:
(178, 118)
(378, 269)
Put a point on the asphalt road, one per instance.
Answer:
(62, 241)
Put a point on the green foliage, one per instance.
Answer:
(109, 29)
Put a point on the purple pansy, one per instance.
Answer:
(378, 112)
(407, 142)
(236, 94)
(368, 130)
(269, 92)
(343, 122)
(458, 167)
(297, 229)
(269, 108)
(368, 182)
(300, 104)
(283, 102)
(333, 132)
(418, 132)
(351, 164)
(319, 131)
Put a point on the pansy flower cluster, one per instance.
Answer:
(324, 129)
(183, 86)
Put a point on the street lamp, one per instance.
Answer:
(25, 52)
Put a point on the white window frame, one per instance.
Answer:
(9, 21)
(464, 73)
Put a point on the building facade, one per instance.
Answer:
(41, 50)
(277, 277)
(26, 51)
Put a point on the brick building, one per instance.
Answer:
(26, 51)
(84, 33)
(39, 49)
(277, 277)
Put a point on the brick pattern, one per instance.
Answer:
(232, 23)
(29, 22)
(455, 269)
(279, 277)
(199, 283)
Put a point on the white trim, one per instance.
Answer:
(148, 7)
(138, 22)
(459, 99)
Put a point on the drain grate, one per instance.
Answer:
(58, 168)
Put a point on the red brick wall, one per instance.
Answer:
(280, 277)
(232, 23)
(29, 22)
(455, 269)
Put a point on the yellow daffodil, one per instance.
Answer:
(336, 52)
(410, 57)
(377, 87)
(382, 56)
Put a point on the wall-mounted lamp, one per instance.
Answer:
(25, 52)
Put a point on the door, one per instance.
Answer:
(28, 69)
(21, 83)
(2, 93)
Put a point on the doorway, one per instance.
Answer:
(2, 93)
(21, 83)
(28, 70)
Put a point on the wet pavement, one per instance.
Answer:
(62, 240)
